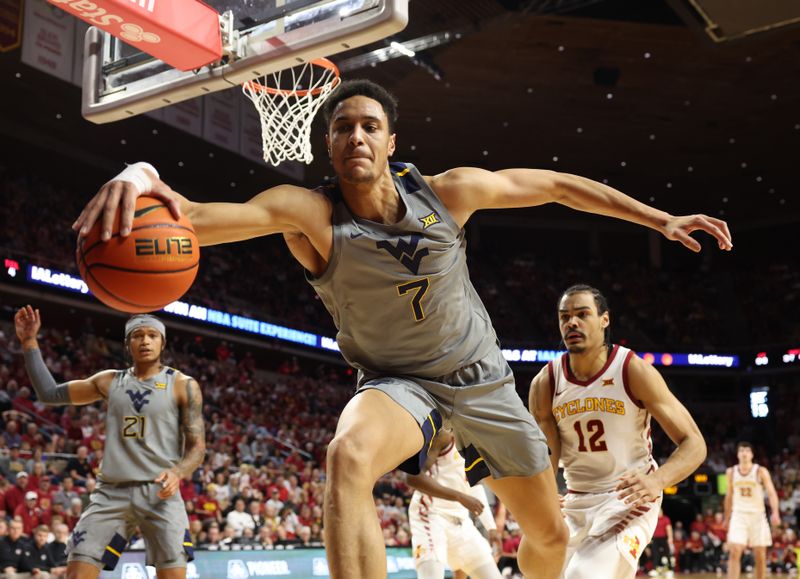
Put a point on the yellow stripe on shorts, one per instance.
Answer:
(117, 553)
(476, 461)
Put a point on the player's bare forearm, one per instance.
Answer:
(281, 209)
(194, 431)
(592, 197)
(689, 455)
(429, 486)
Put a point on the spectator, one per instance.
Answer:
(11, 435)
(195, 529)
(78, 466)
(15, 495)
(254, 510)
(663, 547)
(74, 513)
(694, 553)
(238, 519)
(29, 513)
(274, 500)
(45, 493)
(12, 548)
(58, 548)
(15, 462)
(213, 538)
(66, 493)
(209, 507)
(36, 558)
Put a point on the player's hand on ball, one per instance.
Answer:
(472, 504)
(122, 195)
(170, 483)
(637, 488)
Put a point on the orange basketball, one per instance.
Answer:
(152, 267)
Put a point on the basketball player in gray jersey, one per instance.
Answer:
(155, 435)
(384, 248)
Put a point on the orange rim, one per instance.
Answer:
(321, 62)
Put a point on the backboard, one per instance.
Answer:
(258, 37)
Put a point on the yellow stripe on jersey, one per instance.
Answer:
(109, 548)
(403, 172)
(430, 419)
(476, 461)
(185, 544)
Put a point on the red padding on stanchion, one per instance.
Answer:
(182, 33)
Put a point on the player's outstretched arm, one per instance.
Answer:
(27, 323)
(540, 403)
(193, 427)
(466, 189)
(281, 209)
(648, 386)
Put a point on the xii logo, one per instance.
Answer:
(406, 252)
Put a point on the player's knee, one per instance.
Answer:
(348, 459)
(551, 533)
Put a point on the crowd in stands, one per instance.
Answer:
(261, 485)
(267, 427)
(711, 307)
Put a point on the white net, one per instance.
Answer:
(287, 101)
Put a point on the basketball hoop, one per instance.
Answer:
(286, 102)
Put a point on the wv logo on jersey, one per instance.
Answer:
(139, 399)
(77, 537)
(406, 252)
(429, 220)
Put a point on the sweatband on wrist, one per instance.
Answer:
(47, 391)
(136, 175)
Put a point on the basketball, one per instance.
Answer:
(152, 267)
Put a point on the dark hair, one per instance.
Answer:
(744, 444)
(599, 301)
(361, 87)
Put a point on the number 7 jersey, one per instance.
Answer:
(604, 430)
(400, 293)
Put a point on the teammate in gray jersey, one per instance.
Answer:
(155, 435)
(384, 248)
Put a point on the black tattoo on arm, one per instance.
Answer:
(194, 430)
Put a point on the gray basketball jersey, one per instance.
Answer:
(143, 435)
(400, 294)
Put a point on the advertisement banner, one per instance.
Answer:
(244, 564)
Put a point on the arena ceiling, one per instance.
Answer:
(615, 90)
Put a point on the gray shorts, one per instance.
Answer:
(495, 433)
(114, 512)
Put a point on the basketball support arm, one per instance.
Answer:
(47, 391)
